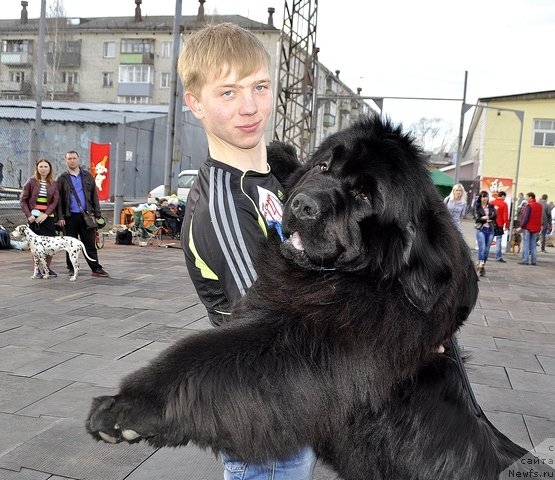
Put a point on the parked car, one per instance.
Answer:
(185, 180)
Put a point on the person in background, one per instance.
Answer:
(501, 223)
(456, 204)
(227, 84)
(484, 214)
(546, 220)
(530, 226)
(520, 204)
(39, 202)
(77, 194)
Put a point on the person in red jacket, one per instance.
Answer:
(530, 225)
(501, 223)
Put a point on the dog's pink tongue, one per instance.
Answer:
(296, 241)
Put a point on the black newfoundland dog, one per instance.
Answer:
(336, 344)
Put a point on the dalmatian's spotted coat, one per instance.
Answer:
(42, 246)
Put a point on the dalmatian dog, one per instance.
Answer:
(42, 246)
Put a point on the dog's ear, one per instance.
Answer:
(428, 263)
(284, 163)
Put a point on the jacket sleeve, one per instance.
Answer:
(95, 200)
(525, 216)
(53, 200)
(24, 198)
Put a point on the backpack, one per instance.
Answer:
(125, 237)
(5, 241)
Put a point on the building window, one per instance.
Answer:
(17, 77)
(135, 100)
(166, 50)
(164, 80)
(70, 78)
(16, 46)
(108, 79)
(137, 45)
(109, 50)
(544, 133)
(136, 74)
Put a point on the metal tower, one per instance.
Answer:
(295, 92)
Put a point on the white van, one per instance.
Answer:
(185, 181)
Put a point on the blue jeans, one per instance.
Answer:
(484, 237)
(298, 467)
(529, 248)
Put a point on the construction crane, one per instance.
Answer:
(296, 89)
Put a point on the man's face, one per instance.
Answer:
(235, 111)
(72, 161)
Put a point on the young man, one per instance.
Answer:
(227, 86)
(530, 225)
(502, 222)
(78, 193)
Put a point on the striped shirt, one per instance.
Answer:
(226, 218)
(42, 199)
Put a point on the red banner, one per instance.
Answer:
(100, 168)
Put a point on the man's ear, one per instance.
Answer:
(194, 105)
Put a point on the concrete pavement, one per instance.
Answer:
(62, 343)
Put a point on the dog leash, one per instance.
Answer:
(464, 376)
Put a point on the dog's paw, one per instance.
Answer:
(72, 278)
(108, 421)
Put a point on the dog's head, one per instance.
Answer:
(19, 231)
(365, 203)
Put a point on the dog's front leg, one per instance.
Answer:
(35, 266)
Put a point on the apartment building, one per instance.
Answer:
(129, 60)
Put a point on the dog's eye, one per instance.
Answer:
(362, 193)
(322, 167)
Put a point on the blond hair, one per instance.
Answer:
(217, 50)
(452, 194)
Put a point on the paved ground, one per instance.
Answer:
(62, 343)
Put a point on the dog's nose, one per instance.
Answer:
(304, 207)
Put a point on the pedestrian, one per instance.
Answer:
(501, 223)
(546, 220)
(520, 204)
(484, 214)
(456, 204)
(530, 226)
(78, 195)
(39, 202)
(225, 71)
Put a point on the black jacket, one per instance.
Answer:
(89, 187)
(479, 213)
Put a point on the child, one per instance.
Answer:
(225, 71)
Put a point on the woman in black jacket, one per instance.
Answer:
(485, 215)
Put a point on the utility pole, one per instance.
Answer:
(36, 131)
(169, 179)
(461, 128)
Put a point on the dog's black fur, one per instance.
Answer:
(335, 346)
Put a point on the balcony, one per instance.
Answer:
(64, 59)
(137, 58)
(135, 89)
(16, 58)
